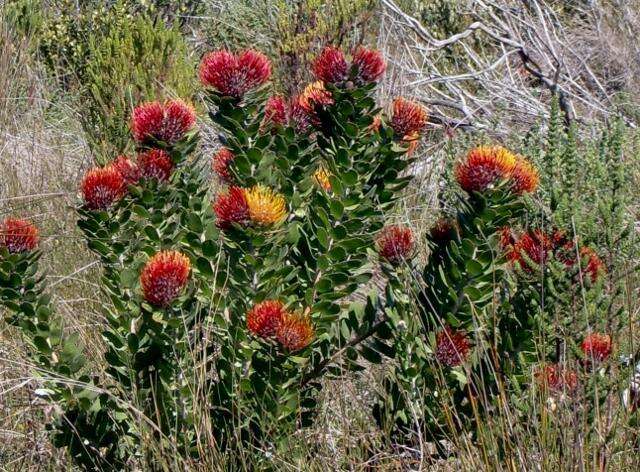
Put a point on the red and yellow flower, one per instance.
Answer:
(231, 208)
(155, 164)
(295, 331)
(18, 235)
(234, 75)
(101, 187)
(452, 347)
(266, 207)
(164, 277)
(321, 177)
(220, 164)
(264, 318)
(395, 243)
(597, 346)
(167, 122)
(534, 246)
(314, 96)
(524, 177)
(408, 119)
(484, 167)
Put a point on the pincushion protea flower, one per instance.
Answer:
(321, 176)
(18, 235)
(395, 243)
(234, 75)
(535, 245)
(295, 331)
(330, 66)
(164, 276)
(276, 111)
(557, 378)
(594, 265)
(167, 122)
(524, 177)
(484, 167)
(597, 346)
(408, 119)
(127, 168)
(155, 164)
(369, 64)
(101, 187)
(220, 164)
(314, 95)
(452, 347)
(231, 208)
(299, 116)
(264, 318)
(266, 207)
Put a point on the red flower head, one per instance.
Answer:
(452, 347)
(234, 75)
(265, 317)
(524, 177)
(597, 347)
(295, 332)
(299, 116)
(443, 231)
(395, 243)
(101, 187)
(369, 64)
(331, 66)
(18, 235)
(594, 266)
(155, 164)
(167, 122)
(557, 378)
(164, 276)
(507, 239)
(276, 111)
(535, 244)
(484, 167)
(408, 120)
(127, 168)
(220, 164)
(231, 208)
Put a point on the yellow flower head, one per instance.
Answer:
(266, 207)
(321, 176)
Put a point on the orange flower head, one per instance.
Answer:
(594, 265)
(452, 347)
(313, 96)
(321, 176)
(167, 122)
(536, 245)
(295, 331)
(408, 120)
(331, 66)
(127, 168)
(155, 164)
(597, 346)
(164, 276)
(369, 64)
(264, 318)
(266, 207)
(234, 75)
(101, 187)
(395, 243)
(557, 378)
(484, 167)
(524, 177)
(220, 164)
(18, 235)
(231, 208)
